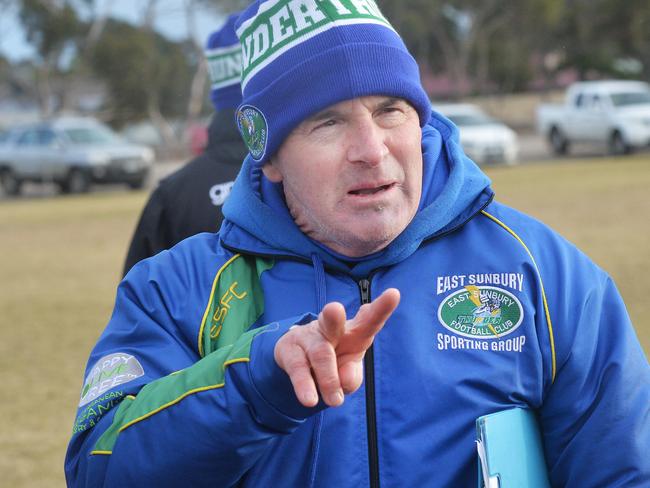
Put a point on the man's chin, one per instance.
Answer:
(368, 240)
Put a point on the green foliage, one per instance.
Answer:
(509, 66)
(4, 66)
(591, 35)
(49, 27)
(142, 70)
(504, 44)
(482, 40)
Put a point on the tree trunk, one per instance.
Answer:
(197, 90)
(44, 90)
(164, 128)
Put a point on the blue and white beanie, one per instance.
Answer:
(223, 55)
(301, 56)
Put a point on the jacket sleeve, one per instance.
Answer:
(596, 413)
(149, 237)
(153, 413)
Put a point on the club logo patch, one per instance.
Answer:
(253, 129)
(481, 312)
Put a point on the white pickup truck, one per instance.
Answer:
(615, 113)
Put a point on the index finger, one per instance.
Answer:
(371, 317)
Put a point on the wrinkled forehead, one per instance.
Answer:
(371, 103)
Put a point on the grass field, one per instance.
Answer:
(60, 260)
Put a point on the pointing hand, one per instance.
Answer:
(326, 355)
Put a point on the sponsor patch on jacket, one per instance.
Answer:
(107, 373)
(481, 311)
(95, 410)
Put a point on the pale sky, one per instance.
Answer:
(171, 22)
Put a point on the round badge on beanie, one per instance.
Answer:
(253, 128)
(301, 56)
(223, 56)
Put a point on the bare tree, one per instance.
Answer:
(98, 19)
(149, 15)
(164, 128)
(224, 6)
(197, 90)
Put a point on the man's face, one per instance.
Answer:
(352, 173)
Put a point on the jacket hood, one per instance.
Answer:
(453, 190)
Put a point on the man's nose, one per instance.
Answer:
(367, 143)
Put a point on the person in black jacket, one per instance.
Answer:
(189, 200)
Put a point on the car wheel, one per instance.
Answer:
(10, 182)
(558, 142)
(77, 181)
(617, 145)
(137, 184)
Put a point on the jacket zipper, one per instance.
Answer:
(371, 414)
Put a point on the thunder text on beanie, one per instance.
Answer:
(223, 55)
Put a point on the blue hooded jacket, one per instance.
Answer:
(497, 311)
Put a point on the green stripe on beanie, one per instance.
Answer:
(223, 57)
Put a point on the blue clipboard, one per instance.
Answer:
(510, 450)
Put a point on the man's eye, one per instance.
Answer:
(390, 116)
(390, 110)
(326, 123)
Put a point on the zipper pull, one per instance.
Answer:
(364, 286)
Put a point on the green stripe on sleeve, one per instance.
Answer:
(236, 302)
(207, 374)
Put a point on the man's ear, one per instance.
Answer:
(271, 171)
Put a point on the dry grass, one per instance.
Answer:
(602, 206)
(61, 260)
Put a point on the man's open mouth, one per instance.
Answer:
(371, 191)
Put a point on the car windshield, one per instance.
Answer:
(630, 98)
(90, 135)
(462, 120)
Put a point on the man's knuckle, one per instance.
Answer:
(321, 353)
(329, 382)
(295, 363)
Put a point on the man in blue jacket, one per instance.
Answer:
(365, 300)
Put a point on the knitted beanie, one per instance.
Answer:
(302, 56)
(223, 54)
